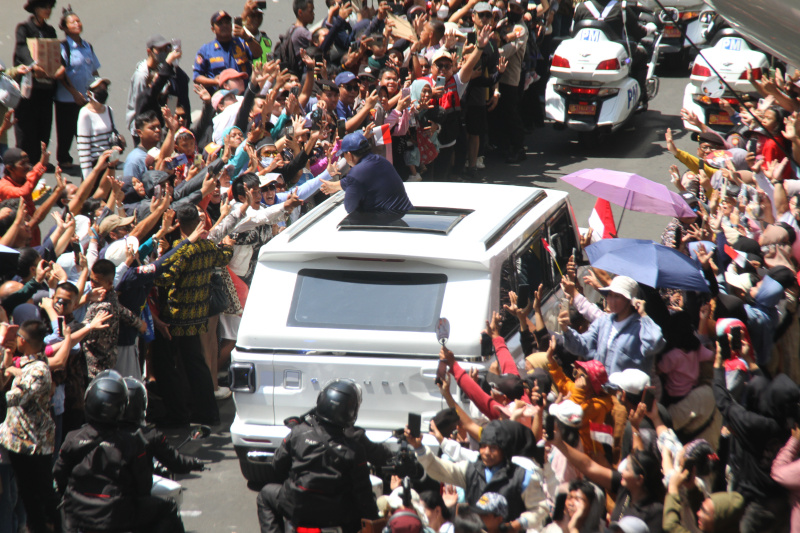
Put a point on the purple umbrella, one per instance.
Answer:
(630, 191)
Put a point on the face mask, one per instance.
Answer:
(266, 161)
(99, 95)
(513, 18)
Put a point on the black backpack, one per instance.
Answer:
(284, 51)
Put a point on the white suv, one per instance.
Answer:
(358, 297)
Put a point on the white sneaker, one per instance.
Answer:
(223, 393)
(479, 163)
(414, 177)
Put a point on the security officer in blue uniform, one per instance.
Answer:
(232, 48)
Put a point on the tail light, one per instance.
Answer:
(560, 62)
(609, 64)
(585, 91)
(756, 74)
(700, 70)
(243, 377)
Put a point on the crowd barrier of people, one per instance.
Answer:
(655, 409)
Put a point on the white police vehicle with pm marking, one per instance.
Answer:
(359, 297)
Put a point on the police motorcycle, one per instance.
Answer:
(164, 484)
(729, 54)
(591, 89)
(682, 23)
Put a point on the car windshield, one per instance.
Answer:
(345, 299)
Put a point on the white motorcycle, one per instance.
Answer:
(679, 17)
(590, 88)
(729, 54)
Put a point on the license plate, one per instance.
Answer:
(671, 32)
(582, 109)
(721, 119)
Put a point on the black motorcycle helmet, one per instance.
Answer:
(137, 402)
(106, 398)
(338, 403)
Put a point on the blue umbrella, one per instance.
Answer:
(648, 263)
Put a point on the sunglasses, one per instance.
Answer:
(180, 116)
(270, 187)
(351, 88)
(444, 66)
(485, 15)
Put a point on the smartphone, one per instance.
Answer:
(558, 511)
(289, 132)
(114, 156)
(76, 250)
(262, 5)
(441, 373)
(404, 92)
(316, 115)
(649, 397)
(176, 44)
(472, 37)
(65, 212)
(172, 102)
(177, 161)
(61, 326)
(487, 348)
(237, 21)
(752, 145)
(341, 128)
(415, 424)
(198, 160)
(523, 295)
(295, 90)
(549, 427)
(11, 334)
(440, 81)
(736, 339)
(157, 191)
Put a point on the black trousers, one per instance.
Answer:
(510, 130)
(156, 515)
(66, 129)
(271, 511)
(34, 475)
(184, 380)
(34, 120)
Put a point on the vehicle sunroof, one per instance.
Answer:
(420, 219)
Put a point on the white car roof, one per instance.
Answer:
(494, 208)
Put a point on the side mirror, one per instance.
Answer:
(200, 432)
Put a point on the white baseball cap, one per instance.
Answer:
(622, 285)
(568, 412)
(631, 380)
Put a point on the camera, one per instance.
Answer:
(404, 463)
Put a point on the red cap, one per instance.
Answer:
(596, 372)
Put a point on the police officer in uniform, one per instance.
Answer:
(102, 472)
(321, 469)
(227, 50)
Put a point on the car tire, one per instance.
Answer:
(256, 474)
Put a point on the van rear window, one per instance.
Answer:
(346, 299)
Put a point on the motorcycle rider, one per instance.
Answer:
(628, 31)
(156, 443)
(103, 473)
(321, 469)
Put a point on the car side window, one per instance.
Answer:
(527, 266)
(561, 236)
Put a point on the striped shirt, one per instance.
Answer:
(94, 131)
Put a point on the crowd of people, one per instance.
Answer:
(658, 410)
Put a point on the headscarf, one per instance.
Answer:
(416, 89)
(728, 511)
(228, 130)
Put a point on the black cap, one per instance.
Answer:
(508, 384)
(157, 41)
(711, 138)
(12, 156)
(327, 85)
(446, 421)
(789, 230)
(783, 275)
(365, 71)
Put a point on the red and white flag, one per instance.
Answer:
(549, 250)
(738, 258)
(602, 433)
(602, 221)
(382, 135)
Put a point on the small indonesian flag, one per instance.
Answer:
(602, 221)
(602, 433)
(382, 135)
(549, 250)
(739, 259)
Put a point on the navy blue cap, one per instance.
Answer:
(352, 142)
(345, 77)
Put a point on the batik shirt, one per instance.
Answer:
(101, 344)
(29, 429)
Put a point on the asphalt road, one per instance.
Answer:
(218, 500)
